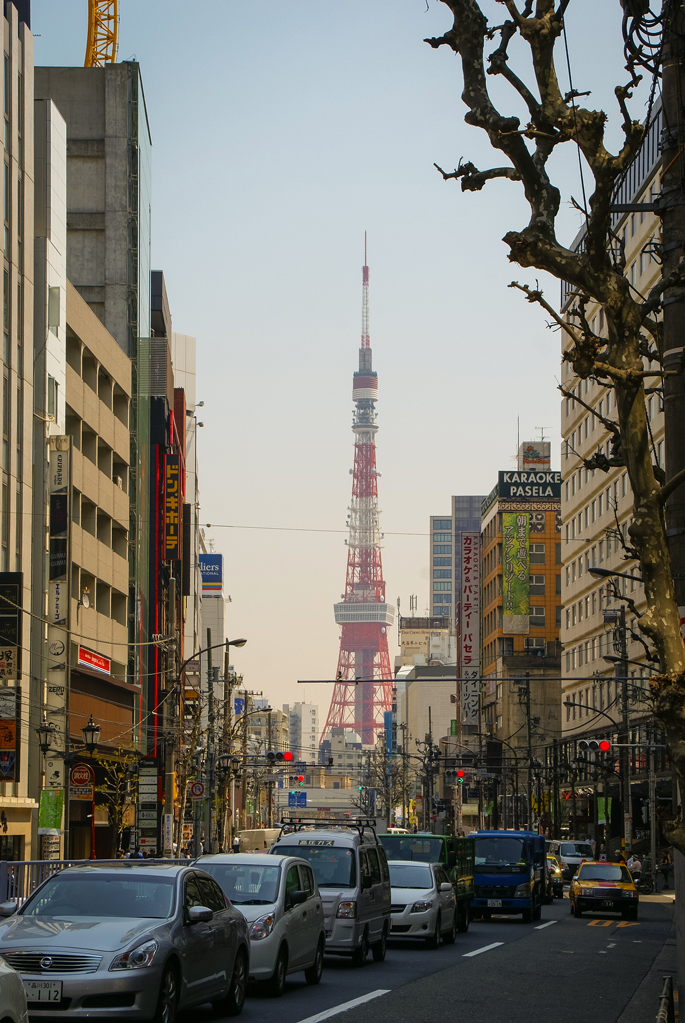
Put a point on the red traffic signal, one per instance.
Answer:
(460, 773)
(287, 756)
(300, 777)
(604, 745)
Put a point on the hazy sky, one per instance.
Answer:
(282, 130)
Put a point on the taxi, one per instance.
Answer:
(601, 887)
(556, 878)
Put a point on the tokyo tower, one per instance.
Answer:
(363, 688)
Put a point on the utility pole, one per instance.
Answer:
(169, 712)
(622, 669)
(556, 831)
(211, 735)
(529, 783)
(652, 806)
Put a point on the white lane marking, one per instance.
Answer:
(612, 946)
(485, 948)
(344, 1006)
(541, 927)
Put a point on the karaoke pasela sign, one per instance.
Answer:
(469, 648)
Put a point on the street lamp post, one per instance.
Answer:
(46, 732)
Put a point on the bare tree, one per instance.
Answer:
(117, 791)
(596, 273)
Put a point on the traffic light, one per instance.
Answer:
(360, 787)
(300, 779)
(595, 745)
(272, 756)
(460, 777)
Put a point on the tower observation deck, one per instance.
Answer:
(363, 690)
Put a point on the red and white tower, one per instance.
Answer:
(363, 690)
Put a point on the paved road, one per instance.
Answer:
(560, 970)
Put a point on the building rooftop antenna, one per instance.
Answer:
(542, 431)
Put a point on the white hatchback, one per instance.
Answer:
(12, 996)
(280, 900)
(423, 902)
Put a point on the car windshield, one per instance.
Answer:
(413, 847)
(333, 867)
(576, 849)
(603, 872)
(499, 852)
(408, 875)
(104, 895)
(245, 884)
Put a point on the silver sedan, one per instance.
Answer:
(129, 941)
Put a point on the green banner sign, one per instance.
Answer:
(515, 564)
(50, 812)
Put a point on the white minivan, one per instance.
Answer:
(284, 912)
(351, 871)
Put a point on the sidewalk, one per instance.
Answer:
(645, 1002)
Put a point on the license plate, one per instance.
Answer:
(43, 990)
(607, 904)
(494, 903)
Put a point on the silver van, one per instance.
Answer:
(352, 874)
(570, 855)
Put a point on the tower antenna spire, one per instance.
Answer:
(363, 692)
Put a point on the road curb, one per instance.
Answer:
(645, 1002)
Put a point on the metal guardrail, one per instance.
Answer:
(18, 878)
(666, 1013)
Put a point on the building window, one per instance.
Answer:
(442, 561)
(557, 617)
(537, 617)
(441, 548)
(537, 554)
(537, 585)
(442, 537)
(442, 586)
(442, 523)
(600, 502)
(442, 573)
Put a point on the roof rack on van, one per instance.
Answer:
(360, 824)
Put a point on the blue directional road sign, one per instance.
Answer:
(297, 799)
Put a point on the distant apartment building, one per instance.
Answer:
(444, 561)
(303, 724)
(521, 601)
(597, 506)
(425, 641)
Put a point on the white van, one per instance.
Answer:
(352, 875)
(257, 840)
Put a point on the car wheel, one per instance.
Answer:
(527, 916)
(577, 911)
(232, 1004)
(313, 974)
(277, 983)
(537, 912)
(486, 914)
(167, 1000)
(570, 904)
(434, 939)
(359, 955)
(379, 948)
(633, 914)
(451, 935)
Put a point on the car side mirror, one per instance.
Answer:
(445, 886)
(199, 915)
(367, 881)
(297, 898)
(451, 858)
(9, 908)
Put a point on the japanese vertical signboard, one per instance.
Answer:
(10, 737)
(58, 582)
(11, 591)
(470, 628)
(172, 508)
(515, 573)
(50, 812)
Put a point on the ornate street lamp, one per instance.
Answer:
(45, 733)
(91, 735)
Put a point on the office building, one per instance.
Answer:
(425, 641)
(520, 566)
(303, 725)
(444, 560)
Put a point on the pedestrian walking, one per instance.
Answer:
(665, 867)
(236, 844)
(635, 867)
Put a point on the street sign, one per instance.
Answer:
(229, 812)
(197, 790)
(81, 775)
(297, 799)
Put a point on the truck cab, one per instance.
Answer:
(510, 873)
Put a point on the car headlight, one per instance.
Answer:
(585, 891)
(630, 895)
(347, 910)
(557, 872)
(262, 928)
(137, 958)
(421, 907)
(523, 891)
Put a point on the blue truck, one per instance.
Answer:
(510, 874)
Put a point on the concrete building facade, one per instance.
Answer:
(444, 560)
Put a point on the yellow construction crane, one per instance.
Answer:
(103, 32)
